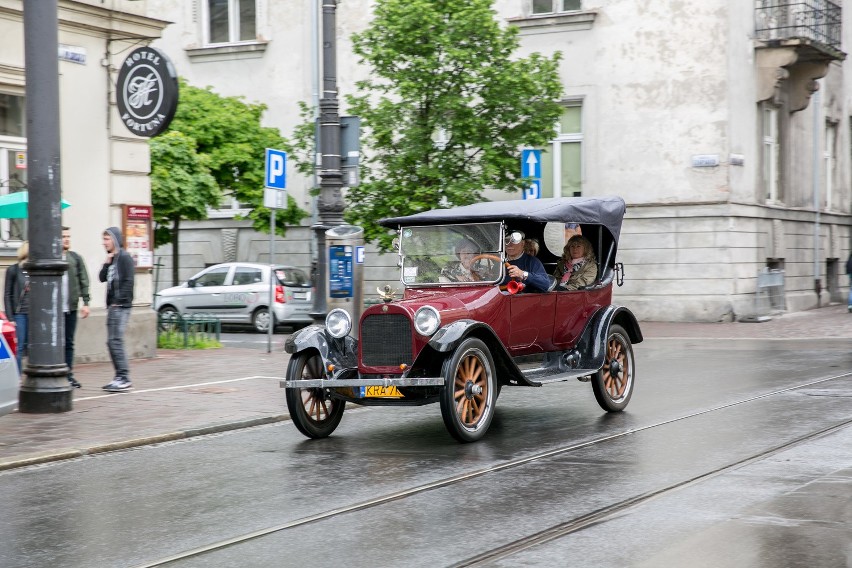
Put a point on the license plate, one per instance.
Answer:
(380, 392)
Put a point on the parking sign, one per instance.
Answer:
(276, 169)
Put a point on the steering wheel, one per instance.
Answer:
(486, 257)
(479, 257)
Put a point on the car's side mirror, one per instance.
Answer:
(190, 283)
(515, 237)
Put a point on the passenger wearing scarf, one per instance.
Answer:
(577, 266)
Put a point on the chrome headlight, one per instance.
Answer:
(427, 321)
(338, 323)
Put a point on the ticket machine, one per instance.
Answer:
(345, 244)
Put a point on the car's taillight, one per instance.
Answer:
(11, 336)
(279, 295)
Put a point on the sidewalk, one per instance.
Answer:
(180, 394)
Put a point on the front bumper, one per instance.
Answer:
(377, 382)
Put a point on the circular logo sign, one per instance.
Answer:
(147, 92)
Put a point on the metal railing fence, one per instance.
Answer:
(817, 20)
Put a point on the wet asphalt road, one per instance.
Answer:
(696, 472)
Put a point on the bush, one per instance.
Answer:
(177, 340)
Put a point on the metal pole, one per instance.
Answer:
(45, 386)
(271, 280)
(816, 192)
(330, 203)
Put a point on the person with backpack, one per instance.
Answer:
(75, 285)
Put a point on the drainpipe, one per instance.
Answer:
(816, 166)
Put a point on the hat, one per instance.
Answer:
(511, 233)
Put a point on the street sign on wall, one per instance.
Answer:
(531, 168)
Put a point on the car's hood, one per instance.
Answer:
(173, 290)
(452, 303)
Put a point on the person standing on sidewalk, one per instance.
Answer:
(75, 285)
(117, 272)
(849, 272)
(16, 298)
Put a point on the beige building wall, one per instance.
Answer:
(662, 84)
(103, 166)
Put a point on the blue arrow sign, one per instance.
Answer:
(531, 163)
(531, 168)
(276, 169)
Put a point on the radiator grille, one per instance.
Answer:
(386, 340)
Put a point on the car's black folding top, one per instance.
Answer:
(606, 211)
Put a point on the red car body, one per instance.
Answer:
(459, 343)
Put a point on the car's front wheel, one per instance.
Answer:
(613, 384)
(312, 411)
(260, 320)
(469, 394)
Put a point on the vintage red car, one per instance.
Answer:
(463, 329)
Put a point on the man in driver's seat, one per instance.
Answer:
(464, 270)
(523, 267)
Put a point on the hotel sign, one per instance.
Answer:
(147, 92)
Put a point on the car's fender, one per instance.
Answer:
(451, 335)
(592, 343)
(342, 353)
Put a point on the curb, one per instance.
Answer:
(145, 441)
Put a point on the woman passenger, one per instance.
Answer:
(577, 266)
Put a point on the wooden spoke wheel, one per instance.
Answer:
(468, 397)
(313, 412)
(613, 384)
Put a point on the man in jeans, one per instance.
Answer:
(849, 272)
(117, 272)
(75, 285)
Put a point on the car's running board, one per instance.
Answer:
(538, 377)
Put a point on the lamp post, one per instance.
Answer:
(45, 387)
(330, 205)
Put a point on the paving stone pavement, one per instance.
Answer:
(180, 394)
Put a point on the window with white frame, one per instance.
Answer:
(771, 152)
(231, 21)
(13, 159)
(562, 161)
(828, 158)
(553, 6)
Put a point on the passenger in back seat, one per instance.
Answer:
(577, 266)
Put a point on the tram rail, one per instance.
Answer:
(556, 531)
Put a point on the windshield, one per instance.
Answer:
(451, 254)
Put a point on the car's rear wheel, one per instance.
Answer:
(312, 411)
(469, 394)
(613, 384)
(260, 320)
(168, 318)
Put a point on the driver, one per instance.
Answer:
(524, 267)
(463, 271)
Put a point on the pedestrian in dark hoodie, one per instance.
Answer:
(117, 272)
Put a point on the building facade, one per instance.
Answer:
(103, 166)
(723, 124)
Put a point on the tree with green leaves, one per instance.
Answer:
(446, 108)
(182, 188)
(229, 143)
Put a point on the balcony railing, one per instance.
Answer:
(815, 20)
